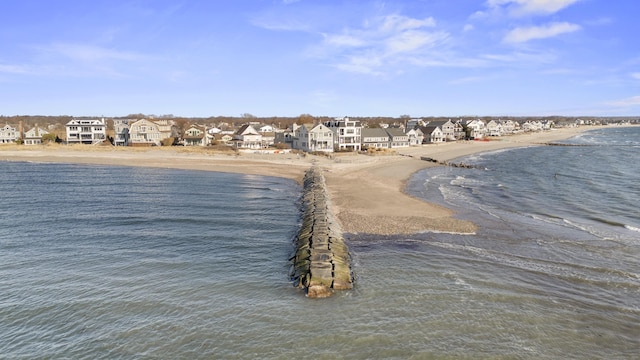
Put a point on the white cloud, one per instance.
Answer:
(530, 7)
(636, 75)
(362, 65)
(524, 34)
(545, 57)
(401, 23)
(344, 40)
(380, 42)
(408, 41)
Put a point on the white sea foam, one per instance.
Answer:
(632, 228)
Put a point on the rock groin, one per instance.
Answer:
(321, 261)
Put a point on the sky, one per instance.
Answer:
(201, 58)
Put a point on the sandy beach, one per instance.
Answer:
(367, 192)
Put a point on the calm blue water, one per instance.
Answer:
(117, 262)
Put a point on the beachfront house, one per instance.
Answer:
(121, 132)
(86, 131)
(494, 128)
(532, 125)
(415, 136)
(247, 137)
(374, 138)
(477, 129)
(286, 136)
(145, 132)
(397, 138)
(347, 134)
(432, 134)
(510, 126)
(459, 132)
(9, 134)
(312, 138)
(447, 127)
(34, 136)
(196, 135)
(268, 138)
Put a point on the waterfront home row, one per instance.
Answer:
(339, 134)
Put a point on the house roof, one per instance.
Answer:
(395, 132)
(374, 132)
(247, 129)
(429, 129)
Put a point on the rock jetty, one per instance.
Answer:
(321, 262)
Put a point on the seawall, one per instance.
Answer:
(321, 261)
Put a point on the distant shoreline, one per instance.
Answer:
(366, 192)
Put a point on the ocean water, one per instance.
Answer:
(119, 262)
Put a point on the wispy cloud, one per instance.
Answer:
(380, 42)
(529, 7)
(524, 34)
(521, 57)
(635, 75)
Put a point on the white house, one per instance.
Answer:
(347, 134)
(247, 137)
(86, 131)
(196, 135)
(532, 125)
(121, 132)
(459, 132)
(416, 136)
(311, 138)
(447, 127)
(150, 132)
(266, 128)
(510, 126)
(432, 134)
(214, 130)
(477, 129)
(34, 136)
(8, 134)
(494, 128)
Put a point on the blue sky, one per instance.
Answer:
(200, 58)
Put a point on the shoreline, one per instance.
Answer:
(367, 192)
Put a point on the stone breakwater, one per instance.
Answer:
(321, 261)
